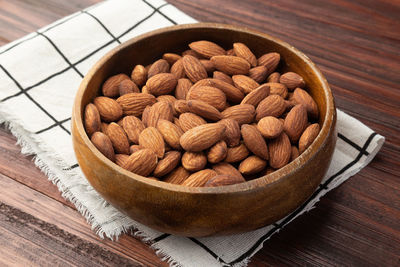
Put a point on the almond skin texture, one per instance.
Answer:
(171, 58)
(139, 75)
(189, 120)
(292, 80)
(245, 83)
(308, 136)
(118, 138)
(207, 49)
(241, 50)
(274, 77)
(145, 115)
(257, 95)
(222, 77)
(278, 89)
(167, 164)
(92, 119)
(270, 61)
(171, 133)
(204, 110)
(217, 152)
(135, 103)
(109, 109)
(270, 127)
(177, 176)
(142, 162)
(252, 165)
(202, 137)
(232, 93)
(120, 159)
(210, 95)
(272, 105)
(200, 178)
(231, 65)
(295, 153)
(181, 106)
(127, 86)
(167, 98)
(103, 144)
(178, 70)
(152, 139)
(240, 113)
(194, 161)
(208, 65)
(159, 111)
(161, 84)
(182, 88)
(302, 97)
(258, 74)
(111, 85)
(227, 169)
(134, 148)
(159, 66)
(254, 141)
(237, 153)
(279, 151)
(191, 52)
(224, 179)
(194, 70)
(295, 122)
(232, 132)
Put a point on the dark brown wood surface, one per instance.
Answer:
(356, 44)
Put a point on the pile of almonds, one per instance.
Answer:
(208, 117)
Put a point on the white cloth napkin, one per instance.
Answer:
(39, 76)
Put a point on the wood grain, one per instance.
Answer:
(356, 44)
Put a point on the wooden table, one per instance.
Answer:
(356, 44)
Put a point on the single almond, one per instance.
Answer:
(252, 165)
(241, 50)
(167, 98)
(111, 85)
(145, 115)
(194, 161)
(258, 74)
(178, 70)
(240, 113)
(167, 164)
(207, 49)
(177, 176)
(231, 65)
(194, 70)
(142, 162)
(199, 178)
(120, 159)
(171, 58)
(226, 168)
(270, 127)
(171, 133)
(159, 111)
(292, 80)
(295, 122)
(132, 127)
(256, 96)
(118, 138)
(208, 65)
(222, 77)
(189, 120)
(278, 89)
(135, 103)
(217, 152)
(274, 77)
(181, 106)
(270, 61)
(139, 75)
(308, 136)
(202, 137)
(254, 141)
(237, 153)
(245, 83)
(159, 66)
(232, 93)
(151, 138)
(109, 109)
(210, 95)
(161, 84)
(294, 153)
(92, 119)
(127, 86)
(182, 88)
(134, 148)
(272, 105)
(204, 110)
(103, 143)
(224, 179)
(300, 96)
(232, 132)
(279, 151)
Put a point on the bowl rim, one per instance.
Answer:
(255, 184)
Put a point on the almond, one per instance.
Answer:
(171, 133)
(274, 77)
(308, 136)
(204, 110)
(134, 148)
(241, 50)
(132, 127)
(294, 153)
(145, 115)
(127, 86)
(139, 75)
(135, 103)
(142, 162)
(92, 119)
(232, 132)
(237, 153)
(118, 138)
(191, 52)
(189, 120)
(245, 83)
(302, 97)
(103, 144)
(103, 127)
(278, 89)
(151, 138)
(231, 65)
(109, 109)
(111, 85)
(202, 137)
(171, 58)
(240, 113)
(159, 111)
(159, 66)
(217, 152)
(182, 88)
(207, 49)
(279, 151)
(145, 91)
(227, 169)
(177, 176)
(295, 122)
(224, 179)
(181, 106)
(194, 161)
(167, 164)
(208, 65)
(199, 178)
(292, 80)
(272, 105)
(270, 127)
(222, 77)
(161, 84)
(232, 93)
(210, 95)
(194, 70)
(120, 159)
(178, 70)
(258, 74)
(167, 98)
(252, 165)
(270, 61)
(257, 95)
(230, 52)
(254, 141)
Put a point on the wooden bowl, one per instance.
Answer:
(201, 211)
